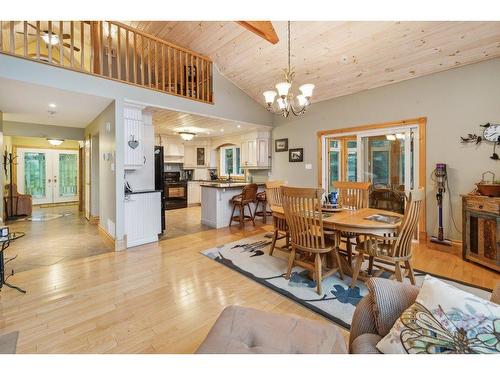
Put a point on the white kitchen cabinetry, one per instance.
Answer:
(142, 218)
(189, 157)
(255, 151)
(134, 136)
(194, 192)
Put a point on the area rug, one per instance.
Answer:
(249, 257)
(8, 343)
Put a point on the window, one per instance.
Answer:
(334, 162)
(352, 161)
(230, 161)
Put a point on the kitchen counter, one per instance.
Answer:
(216, 207)
(227, 185)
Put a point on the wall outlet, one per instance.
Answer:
(309, 166)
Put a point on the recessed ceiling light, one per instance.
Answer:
(222, 130)
(239, 126)
(52, 105)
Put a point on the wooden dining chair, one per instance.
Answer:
(353, 196)
(394, 250)
(302, 207)
(242, 201)
(280, 228)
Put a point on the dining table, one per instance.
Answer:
(354, 221)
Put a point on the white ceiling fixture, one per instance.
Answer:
(286, 97)
(55, 142)
(52, 105)
(187, 136)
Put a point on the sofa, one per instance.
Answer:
(240, 330)
(377, 312)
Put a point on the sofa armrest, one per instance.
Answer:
(362, 320)
(390, 299)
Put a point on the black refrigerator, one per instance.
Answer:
(159, 182)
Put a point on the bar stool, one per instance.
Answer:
(262, 200)
(248, 195)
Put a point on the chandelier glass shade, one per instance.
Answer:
(187, 136)
(287, 102)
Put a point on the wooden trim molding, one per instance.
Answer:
(108, 239)
(94, 220)
(421, 122)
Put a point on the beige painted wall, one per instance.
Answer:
(455, 102)
(107, 168)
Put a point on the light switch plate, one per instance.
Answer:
(309, 166)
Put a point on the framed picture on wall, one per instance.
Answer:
(296, 155)
(281, 145)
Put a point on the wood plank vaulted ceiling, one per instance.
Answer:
(340, 58)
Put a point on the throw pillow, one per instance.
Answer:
(445, 319)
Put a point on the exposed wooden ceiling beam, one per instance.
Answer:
(264, 29)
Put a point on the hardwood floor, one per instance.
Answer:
(49, 242)
(158, 298)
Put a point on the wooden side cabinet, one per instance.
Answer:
(481, 230)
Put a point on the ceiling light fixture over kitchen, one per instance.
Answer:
(285, 96)
(55, 142)
(187, 136)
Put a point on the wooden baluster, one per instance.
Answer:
(156, 65)
(12, 44)
(149, 62)
(38, 40)
(181, 73)
(163, 71)
(1, 35)
(209, 81)
(185, 74)
(175, 71)
(101, 48)
(25, 37)
(82, 45)
(49, 45)
(198, 78)
(169, 64)
(110, 61)
(118, 53)
(72, 43)
(127, 51)
(135, 58)
(142, 60)
(61, 41)
(192, 70)
(202, 88)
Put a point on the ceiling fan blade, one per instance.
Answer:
(33, 26)
(76, 49)
(264, 29)
(20, 32)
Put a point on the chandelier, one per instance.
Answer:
(286, 100)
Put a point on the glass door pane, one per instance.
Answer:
(35, 174)
(66, 180)
(334, 163)
(67, 175)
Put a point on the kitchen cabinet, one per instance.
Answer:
(142, 217)
(134, 137)
(255, 153)
(195, 156)
(189, 157)
(194, 192)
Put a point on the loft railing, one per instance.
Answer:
(113, 50)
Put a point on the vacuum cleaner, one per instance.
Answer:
(439, 176)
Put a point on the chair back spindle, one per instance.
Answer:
(302, 207)
(352, 195)
(409, 225)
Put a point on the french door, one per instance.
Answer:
(384, 157)
(49, 176)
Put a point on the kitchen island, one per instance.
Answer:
(215, 202)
